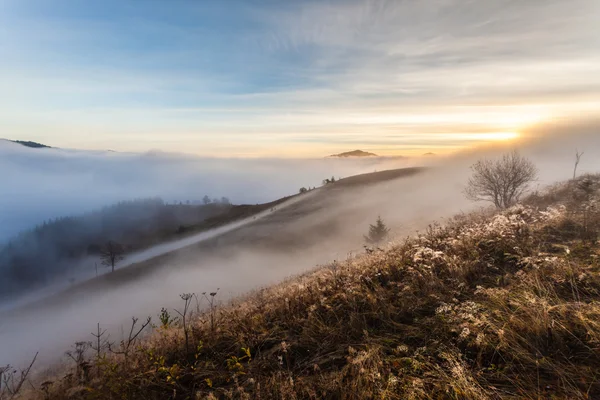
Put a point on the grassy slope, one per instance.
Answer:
(238, 212)
(381, 176)
(234, 213)
(490, 306)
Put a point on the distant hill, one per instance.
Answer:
(355, 153)
(429, 154)
(34, 145)
(51, 248)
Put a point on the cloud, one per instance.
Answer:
(443, 49)
(40, 184)
(125, 75)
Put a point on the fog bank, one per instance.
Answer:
(328, 225)
(40, 184)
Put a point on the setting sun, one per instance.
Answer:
(497, 136)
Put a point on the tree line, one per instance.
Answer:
(33, 257)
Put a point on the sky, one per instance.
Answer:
(293, 78)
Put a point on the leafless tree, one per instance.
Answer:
(577, 160)
(502, 181)
(111, 254)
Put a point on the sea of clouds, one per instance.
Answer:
(40, 184)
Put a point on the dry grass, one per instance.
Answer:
(488, 307)
(376, 177)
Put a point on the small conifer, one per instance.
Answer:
(378, 232)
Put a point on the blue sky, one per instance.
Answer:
(292, 78)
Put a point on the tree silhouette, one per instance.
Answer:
(327, 181)
(577, 161)
(378, 232)
(502, 181)
(111, 254)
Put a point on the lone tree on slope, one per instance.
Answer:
(111, 254)
(378, 232)
(577, 161)
(501, 181)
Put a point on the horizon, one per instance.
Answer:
(294, 79)
(341, 154)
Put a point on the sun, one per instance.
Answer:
(495, 136)
(501, 136)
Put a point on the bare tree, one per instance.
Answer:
(577, 160)
(501, 181)
(111, 254)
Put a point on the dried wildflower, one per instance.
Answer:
(443, 309)
(480, 338)
(402, 349)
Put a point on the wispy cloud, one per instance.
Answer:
(225, 74)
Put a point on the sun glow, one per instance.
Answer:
(497, 136)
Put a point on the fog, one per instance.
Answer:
(81, 271)
(40, 184)
(321, 226)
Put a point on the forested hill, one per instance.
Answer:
(31, 144)
(50, 249)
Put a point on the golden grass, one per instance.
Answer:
(502, 306)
